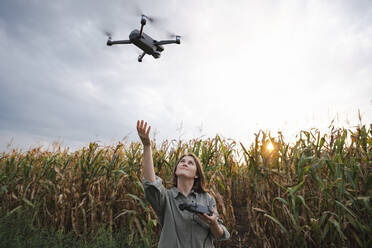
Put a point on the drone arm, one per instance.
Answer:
(165, 42)
(116, 42)
(143, 23)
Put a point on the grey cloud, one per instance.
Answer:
(51, 53)
(59, 78)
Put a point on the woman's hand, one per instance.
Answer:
(210, 220)
(148, 166)
(143, 134)
(216, 230)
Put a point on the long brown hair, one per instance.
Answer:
(199, 182)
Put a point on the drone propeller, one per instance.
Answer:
(150, 19)
(107, 33)
(139, 12)
(172, 35)
(155, 20)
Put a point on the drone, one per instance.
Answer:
(143, 41)
(195, 208)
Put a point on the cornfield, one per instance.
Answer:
(314, 192)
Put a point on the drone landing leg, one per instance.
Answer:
(140, 57)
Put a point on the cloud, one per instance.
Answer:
(241, 66)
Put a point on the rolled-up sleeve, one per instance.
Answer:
(155, 194)
(226, 234)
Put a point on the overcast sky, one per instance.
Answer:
(241, 66)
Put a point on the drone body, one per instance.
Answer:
(143, 41)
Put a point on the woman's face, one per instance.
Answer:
(186, 168)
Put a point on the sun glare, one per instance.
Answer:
(270, 147)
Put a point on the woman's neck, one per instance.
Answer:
(184, 185)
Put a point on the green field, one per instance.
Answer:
(313, 192)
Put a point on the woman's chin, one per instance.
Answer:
(184, 176)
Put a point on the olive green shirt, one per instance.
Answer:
(181, 229)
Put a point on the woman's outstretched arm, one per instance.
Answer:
(148, 166)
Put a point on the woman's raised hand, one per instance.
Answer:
(143, 133)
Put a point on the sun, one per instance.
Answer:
(270, 146)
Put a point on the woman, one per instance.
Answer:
(180, 228)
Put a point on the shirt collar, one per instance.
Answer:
(176, 192)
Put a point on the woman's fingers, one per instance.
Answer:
(143, 133)
(140, 127)
(206, 218)
(201, 216)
